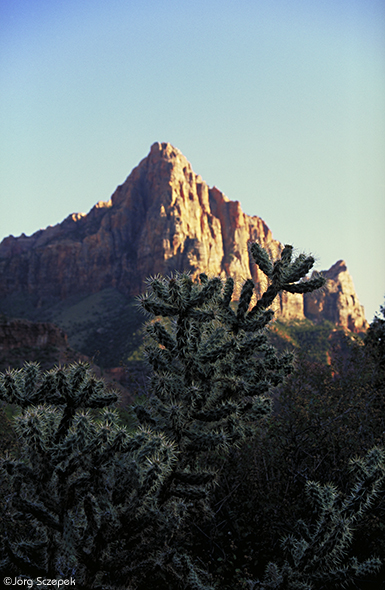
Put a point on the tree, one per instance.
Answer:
(375, 345)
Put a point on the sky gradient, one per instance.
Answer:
(281, 105)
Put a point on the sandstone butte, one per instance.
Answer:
(164, 217)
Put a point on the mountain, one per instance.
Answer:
(163, 218)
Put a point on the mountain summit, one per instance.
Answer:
(163, 218)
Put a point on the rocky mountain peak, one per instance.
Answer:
(337, 269)
(338, 301)
(163, 218)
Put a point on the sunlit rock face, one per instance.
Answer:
(338, 301)
(163, 218)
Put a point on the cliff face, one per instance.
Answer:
(338, 302)
(42, 342)
(164, 217)
(22, 333)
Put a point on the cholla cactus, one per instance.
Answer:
(316, 556)
(213, 368)
(83, 492)
(89, 498)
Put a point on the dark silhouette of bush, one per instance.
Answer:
(375, 346)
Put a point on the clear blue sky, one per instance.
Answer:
(280, 104)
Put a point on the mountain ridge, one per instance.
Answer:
(162, 218)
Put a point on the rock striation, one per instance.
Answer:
(163, 218)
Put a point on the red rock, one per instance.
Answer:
(23, 333)
(338, 301)
(164, 217)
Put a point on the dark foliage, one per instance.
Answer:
(324, 415)
(208, 489)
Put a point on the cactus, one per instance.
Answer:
(316, 555)
(213, 368)
(87, 497)
(82, 493)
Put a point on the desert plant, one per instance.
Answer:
(323, 415)
(85, 495)
(82, 495)
(316, 554)
(213, 369)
